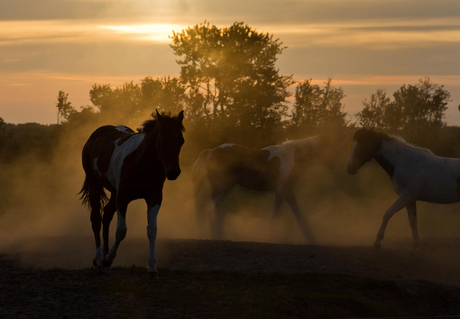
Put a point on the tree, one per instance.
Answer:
(423, 108)
(166, 94)
(116, 103)
(101, 96)
(64, 107)
(86, 115)
(380, 112)
(316, 109)
(231, 72)
(417, 111)
(138, 100)
(2, 134)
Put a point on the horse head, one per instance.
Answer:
(169, 143)
(366, 144)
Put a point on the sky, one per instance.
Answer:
(363, 45)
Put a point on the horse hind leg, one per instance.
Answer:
(109, 211)
(412, 214)
(96, 219)
(276, 210)
(301, 219)
(95, 196)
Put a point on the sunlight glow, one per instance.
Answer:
(385, 33)
(148, 32)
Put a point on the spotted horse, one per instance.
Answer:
(274, 168)
(130, 165)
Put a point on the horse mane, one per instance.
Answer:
(366, 134)
(402, 140)
(299, 141)
(171, 120)
(309, 144)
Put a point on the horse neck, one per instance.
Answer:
(149, 145)
(395, 149)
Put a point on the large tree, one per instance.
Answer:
(317, 109)
(231, 72)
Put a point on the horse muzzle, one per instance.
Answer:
(351, 170)
(173, 174)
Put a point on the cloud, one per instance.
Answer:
(92, 9)
(50, 9)
(372, 34)
(381, 34)
(228, 11)
(362, 44)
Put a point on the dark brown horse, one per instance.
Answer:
(274, 168)
(130, 166)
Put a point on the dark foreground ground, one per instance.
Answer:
(224, 279)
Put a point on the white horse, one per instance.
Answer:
(416, 174)
(274, 168)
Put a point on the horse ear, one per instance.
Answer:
(181, 116)
(159, 117)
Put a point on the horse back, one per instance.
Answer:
(232, 164)
(100, 146)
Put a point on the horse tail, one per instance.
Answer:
(92, 193)
(199, 180)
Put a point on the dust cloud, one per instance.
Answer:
(44, 218)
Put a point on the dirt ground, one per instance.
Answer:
(437, 260)
(39, 273)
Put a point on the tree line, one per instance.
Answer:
(229, 88)
(231, 91)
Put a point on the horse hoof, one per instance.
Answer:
(414, 250)
(100, 270)
(154, 275)
(377, 246)
(107, 263)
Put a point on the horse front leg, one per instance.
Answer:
(402, 201)
(412, 214)
(301, 219)
(153, 206)
(121, 231)
(217, 216)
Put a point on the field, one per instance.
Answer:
(46, 249)
(226, 279)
